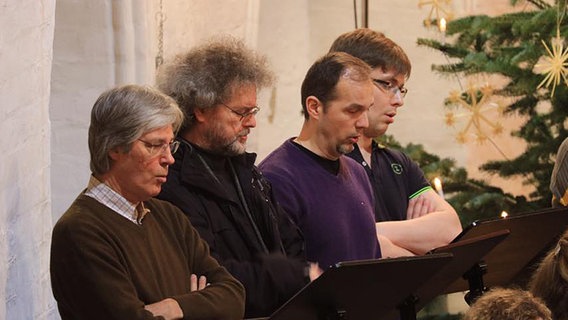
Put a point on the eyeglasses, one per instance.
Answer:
(161, 148)
(246, 114)
(390, 87)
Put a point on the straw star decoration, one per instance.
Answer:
(475, 101)
(438, 9)
(555, 65)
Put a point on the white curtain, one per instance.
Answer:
(25, 217)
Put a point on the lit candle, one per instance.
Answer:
(438, 186)
(442, 27)
(504, 214)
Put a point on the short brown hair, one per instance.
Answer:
(373, 47)
(322, 77)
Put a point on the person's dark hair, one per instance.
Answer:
(559, 177)
(508, 304)
(550, 281)
(207, 75)
(123, 114)
(322, 77)
(375, 49)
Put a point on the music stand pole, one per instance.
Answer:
(474, 278)
(408, 308)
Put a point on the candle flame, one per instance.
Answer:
(438, 187)
(437, 184)
(504, 214)
(442, 25)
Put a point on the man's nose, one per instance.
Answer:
(397, 99)
(249, 121)
(363, 121)
(167, 157)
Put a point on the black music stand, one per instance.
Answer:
(364, 289)
(531, 235)
(466, 253)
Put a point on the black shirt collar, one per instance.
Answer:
(332, 166)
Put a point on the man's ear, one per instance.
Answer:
(200, 115)
(115, 153)
(314, 107)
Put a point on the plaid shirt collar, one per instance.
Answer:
(112, 199)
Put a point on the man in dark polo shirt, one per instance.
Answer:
(412, 218)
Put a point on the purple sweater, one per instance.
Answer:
(334, 212)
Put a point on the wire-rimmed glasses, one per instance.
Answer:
(155, 148)
(390, 87)
(251, 111)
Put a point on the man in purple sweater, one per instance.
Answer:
(327, 194)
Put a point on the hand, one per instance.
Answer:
(390, 250)
(418, 207)
(167, 308)
(195, 284)
(315, 271)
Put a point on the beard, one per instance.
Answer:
(345, 148)
(222, 144)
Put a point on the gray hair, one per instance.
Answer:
(123, 114)
(207, 75)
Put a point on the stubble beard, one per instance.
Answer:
(344, 149)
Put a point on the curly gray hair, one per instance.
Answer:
(207, 75)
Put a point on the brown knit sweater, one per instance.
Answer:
(103, 266)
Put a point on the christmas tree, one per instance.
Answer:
(528, 50)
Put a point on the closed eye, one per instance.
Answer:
(385, 84)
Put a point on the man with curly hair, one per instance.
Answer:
(215, 182)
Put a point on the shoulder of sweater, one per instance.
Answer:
(82, 207)
(280, 153)
(162, 207)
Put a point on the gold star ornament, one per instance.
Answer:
(474, 103)
(555, 65)
(438, 9)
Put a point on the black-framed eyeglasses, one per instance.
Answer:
(246, 114)
(155, 148)
(390, 87)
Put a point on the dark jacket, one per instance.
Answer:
(272, 269)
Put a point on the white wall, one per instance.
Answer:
(25, 218)
(98, 44)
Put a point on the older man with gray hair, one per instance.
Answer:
(117, 253)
